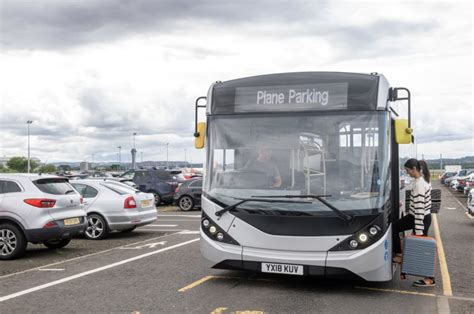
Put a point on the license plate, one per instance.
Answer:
(71, 221)
(282, 269)
(146, 203)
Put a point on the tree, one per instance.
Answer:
(47, 169)
(113, 167)
(20, 164)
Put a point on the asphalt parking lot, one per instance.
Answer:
(158, 268)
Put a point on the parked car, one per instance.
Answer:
(470, 202)
(459, 174)
(454, 184)
(38, 209)
(447, 175)
(188, 194)
(114, 206)
(469, 184)
(156, 181)
(462, 181)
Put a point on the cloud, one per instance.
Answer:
(90, 73)
(64, 24)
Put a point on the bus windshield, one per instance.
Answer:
(344, 155)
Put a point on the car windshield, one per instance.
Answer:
(345, 156)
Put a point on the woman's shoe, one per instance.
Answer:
(424, 283)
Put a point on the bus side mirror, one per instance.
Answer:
(403, 134)
(200, 135)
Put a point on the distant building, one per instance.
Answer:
(84, 166)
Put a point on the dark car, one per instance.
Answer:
(447, 175)
(157, 181)
(188, 194)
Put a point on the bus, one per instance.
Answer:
(302, 173)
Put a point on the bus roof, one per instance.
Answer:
(299, 91)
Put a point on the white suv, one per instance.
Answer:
(39, 209)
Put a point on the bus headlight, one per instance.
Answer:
(374, 230)
(363, 237)
(353, 244)
(214, 232)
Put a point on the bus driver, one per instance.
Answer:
(263, 163)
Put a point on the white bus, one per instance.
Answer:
(301, 173)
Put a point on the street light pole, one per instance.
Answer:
(28, 125)
(167, 161)
(120, 157)
(185, 160)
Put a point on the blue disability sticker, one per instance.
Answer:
(385, 257)
(385, 244)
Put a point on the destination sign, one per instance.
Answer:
(291, 98)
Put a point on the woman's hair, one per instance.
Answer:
(421, 166)
(425, 171)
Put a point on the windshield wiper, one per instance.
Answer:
(243, 200)
(69, 191)
(339, 213)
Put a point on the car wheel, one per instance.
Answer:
(97, 227)
(128, 230)
(186, 203)
(12, 242)
(56, 244)
(157, 198)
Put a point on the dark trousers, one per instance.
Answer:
(407, 222)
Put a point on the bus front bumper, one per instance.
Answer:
(371, 264)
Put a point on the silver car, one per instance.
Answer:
(114, 206)
(470, 202)
(39, 209)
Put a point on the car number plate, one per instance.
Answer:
(71, 221)
(282, 269)
(146, 203)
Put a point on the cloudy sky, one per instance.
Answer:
(90, 73)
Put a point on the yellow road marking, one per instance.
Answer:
(206, 278)
(219, 310)
(196, 283)
(398, 291)
(443, 266)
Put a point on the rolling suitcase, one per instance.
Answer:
(419, 256)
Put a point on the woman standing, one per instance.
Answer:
(418, 218)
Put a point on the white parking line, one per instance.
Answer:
(462, 206)
(161, 225)
(92, 271)
(160, 230)
(190, 216)
(51, 269)
(88, 255)
(173, 220)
